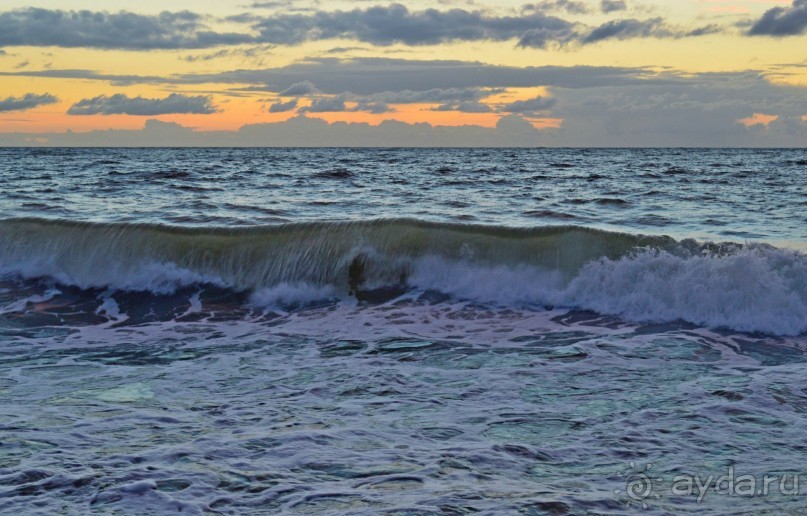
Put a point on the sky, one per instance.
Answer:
(618, 73)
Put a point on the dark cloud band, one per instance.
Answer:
(28, 101)
(529, 106)
(378, 25)
(283, 107)
(782, 21)
(120, 104)
(414, 81)
(387, 25)
(123, 30)
(609, 6)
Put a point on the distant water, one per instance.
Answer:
(401, 331)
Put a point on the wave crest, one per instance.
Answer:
(753, 289)
(640, 278)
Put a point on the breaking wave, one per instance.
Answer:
(640, 278)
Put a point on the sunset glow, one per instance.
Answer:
(218, 66)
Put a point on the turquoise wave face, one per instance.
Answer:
(373, 252)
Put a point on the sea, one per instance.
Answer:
(403, 331)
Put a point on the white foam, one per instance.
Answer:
(500, 284)
(110, 308)
(291, 295)
(154, 277)
(755, 289)
(20, 304)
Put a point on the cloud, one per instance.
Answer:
(282, 107)
(624, 29)
(464, 107)
(120, 104)
(268, 5)
(542, 37)
(326, 105)
(208, 57)
(599, 105)
(387, 79)
(367, 76)
(251, 52)
(286, 4)
(299, 89)
(782, 21)
(104, 30)
(703, 31)
(651, 28)
(116, 80)
(344, 50)
(298, 131)
(27, 101)
(570, 6)
(378, 102)
(338, 104)
(696, 110)
(387, 25)
(636, 110)
(376, 108)
(609, 6)
(378, 25)
(452, 99)
(529, 106)
(435, 95)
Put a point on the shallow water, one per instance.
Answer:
(402, 367)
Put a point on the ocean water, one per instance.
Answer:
(402, 331)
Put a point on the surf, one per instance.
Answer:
(750, 288)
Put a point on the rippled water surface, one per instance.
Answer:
(494, 331)
(719, 194)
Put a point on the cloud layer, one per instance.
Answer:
(530, 106)
(120, 104)
(378, 25)
(375, 75)
(609, 6)
(782, 21)
(27, 101)
(579, 105)
(99, 29)
(387, 25)
(300, 131)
